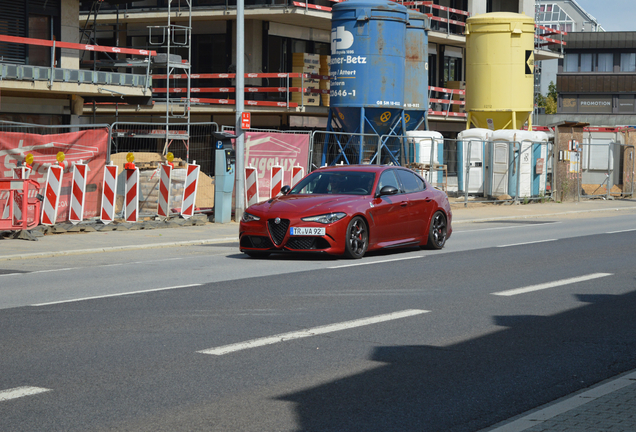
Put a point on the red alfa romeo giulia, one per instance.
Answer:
(349, 210)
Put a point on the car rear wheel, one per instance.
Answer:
(357, 239)
(253, 254)
(437, 231)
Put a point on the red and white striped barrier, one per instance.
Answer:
(52, 194)
(165, 181)
(276, 181)
(298, 173)
(131, 200)
(251, 186)
(21, 172)
(108, 193)
(190, 191)
(78, 194)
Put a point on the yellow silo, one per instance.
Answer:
(499, 70)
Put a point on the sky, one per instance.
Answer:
(612, 15)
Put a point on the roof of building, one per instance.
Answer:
(600, 40)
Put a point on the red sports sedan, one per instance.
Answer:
(349, 210)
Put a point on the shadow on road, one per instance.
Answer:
(475, 384)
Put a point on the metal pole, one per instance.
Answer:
(609, 169)
(240, 102)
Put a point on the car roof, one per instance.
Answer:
(361, 168)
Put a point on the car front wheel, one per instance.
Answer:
(357, 238)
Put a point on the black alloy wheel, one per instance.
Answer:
(357, 239)
(437, 231)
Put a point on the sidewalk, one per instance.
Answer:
(110, 241)
(608, 406)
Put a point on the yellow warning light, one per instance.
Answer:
(130, 157)
(60, 157)
(29, 159)
(169, 157)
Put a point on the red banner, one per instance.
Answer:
(87, 146)
(265, 149)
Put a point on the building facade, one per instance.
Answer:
(559, 16)
(596, 80)
(41, 78)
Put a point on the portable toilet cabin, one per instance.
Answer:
(540, 152)
(471, 145)
(498, 166)
(427, 146)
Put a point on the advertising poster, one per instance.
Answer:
(266, 149)
(87, 146)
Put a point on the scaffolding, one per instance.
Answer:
(172, 38)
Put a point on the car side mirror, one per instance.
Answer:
(387, 190)
(285, 190)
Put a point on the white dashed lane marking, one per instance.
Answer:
(226, 349)
(19, 392)
(548, 285)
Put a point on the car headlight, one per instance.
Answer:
(248, 217)
(325, 218)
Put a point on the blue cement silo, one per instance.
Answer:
(367, 70)
(416, 70)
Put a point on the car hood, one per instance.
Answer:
(304, 204)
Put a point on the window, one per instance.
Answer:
(388, 179)
(410, 181)
(628, 62)
(571, 63)
(606, 62)
(586, 63)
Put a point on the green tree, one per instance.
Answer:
(548, 102)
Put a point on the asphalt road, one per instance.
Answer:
(509, 316)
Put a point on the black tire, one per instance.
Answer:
(437, 231)
(254, 254)
(357, 238)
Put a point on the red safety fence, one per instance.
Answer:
(226, 101)
(76, 46)
(16, 212)
(447, 101)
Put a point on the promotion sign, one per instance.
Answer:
(87, 146)
(263, 150)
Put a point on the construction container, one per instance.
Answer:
(499, 70)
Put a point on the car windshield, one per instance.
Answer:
(336, 182)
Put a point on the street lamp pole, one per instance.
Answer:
(240, 105)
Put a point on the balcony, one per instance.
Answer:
(24, 79)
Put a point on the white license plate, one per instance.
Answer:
(305, 231)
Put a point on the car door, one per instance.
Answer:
(390, 213)
(421, 203)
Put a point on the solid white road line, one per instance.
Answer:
(551, 284)
(226, 349)
(374, 262)
(522, 225)
(622, 231)
(116, 295)
(527, 243)
(19, 392)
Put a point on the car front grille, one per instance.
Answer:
(315, 243)
(278, 230)
(256, 242)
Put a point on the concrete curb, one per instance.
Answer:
(541, 215)
(113, 249)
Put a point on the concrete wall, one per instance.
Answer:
(70, 33)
